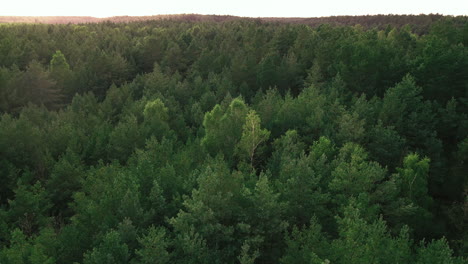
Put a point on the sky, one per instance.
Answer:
(248, 8)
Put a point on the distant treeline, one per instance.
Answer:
(420, 23)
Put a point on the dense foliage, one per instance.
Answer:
(233, 142)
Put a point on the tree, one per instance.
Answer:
(354, 175)
(35, 86)
(111, 250)
(399, 101)
(252, 136)
(213, 210)
(265, 224)
(300, 186)
(361, 241)
(60, 72)
(29, 210)
(412, 205)
(223, 128)
(125, 138)
(247, 258)
(154, 247)
(437, 251)
(156, 120)
(306, 245)
(386, 146)
(65, 178)
(29, 250)
(413, 177)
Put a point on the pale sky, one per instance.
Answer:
(250, 8)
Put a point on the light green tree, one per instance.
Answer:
(252, 136)
(223, 128)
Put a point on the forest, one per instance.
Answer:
(234, 141)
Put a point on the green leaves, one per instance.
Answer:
(354, 174)
(252, 136)
(111, 250)
(154, 247)
(29, 209)
(413, 204)
(223, 128)
(437, 251)
(413, 177)
(341, 145)
(306, 245)
(369, 242)
(60, 72)
(30, 250)
(155, 111)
